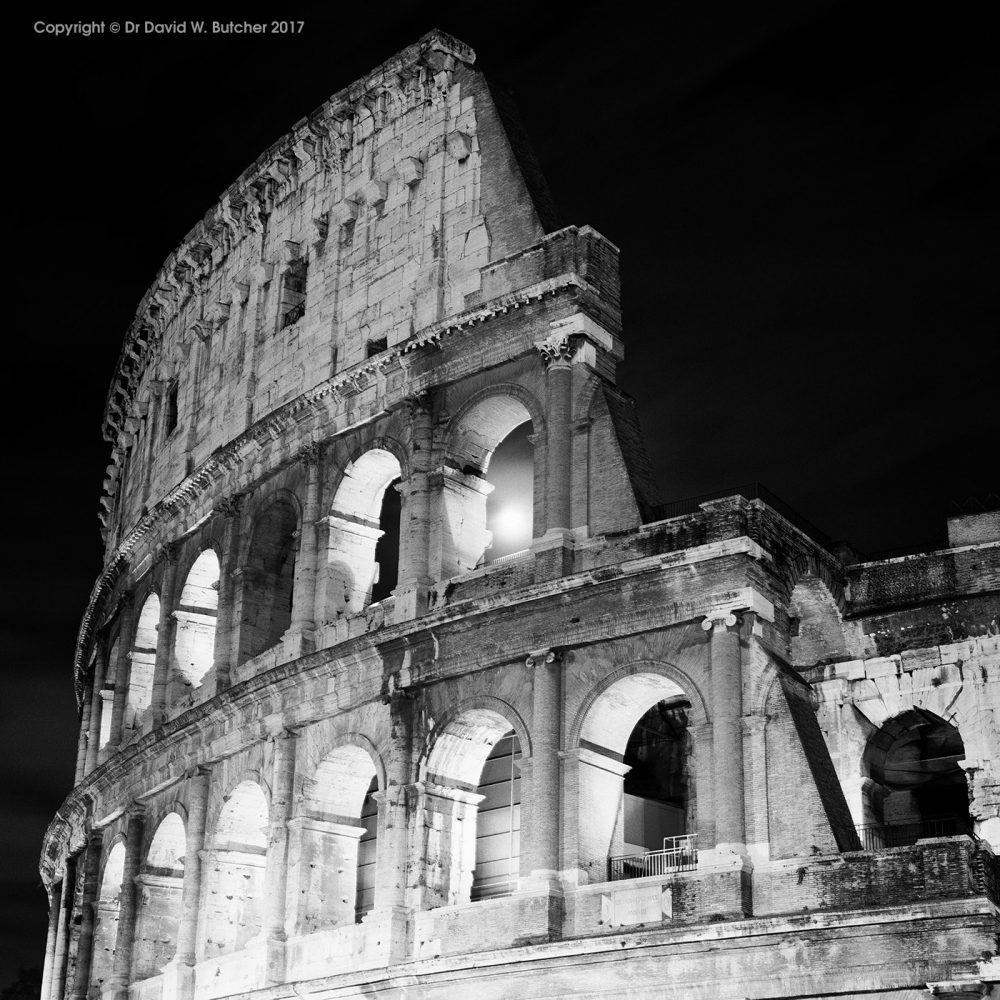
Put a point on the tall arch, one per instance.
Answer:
(361, 550)
(638, 773)
(334, 839)
(268, 579)
(158, 915)
(195, 615)
(140, 687)
(106, 916)
(916, 787)
(233, 912)
(458, 767)
(482, 424)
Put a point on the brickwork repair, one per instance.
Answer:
(734, 767)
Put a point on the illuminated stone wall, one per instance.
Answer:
(382, 299)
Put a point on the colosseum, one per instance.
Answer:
(351, 727)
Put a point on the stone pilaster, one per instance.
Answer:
(727, 735)
(88, 914)
(96, 707)
(123, 667)
(180, 970)
(557, 353)
(61, 955)
(232, 510)
(82, 742)
(543, 831)
(415, 516)
(55, 899)
(300, 636)
(276, 871)
(122, 972)
(164, 634)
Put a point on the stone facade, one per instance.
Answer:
(288, 783)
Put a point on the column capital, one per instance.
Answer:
(556, 349)
(231, 505)
(721, 619)
(171, 552)
(539, 657)
(311, 454)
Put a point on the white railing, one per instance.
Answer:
(511, 557)
(679, 854)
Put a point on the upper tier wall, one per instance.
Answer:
(376, 218)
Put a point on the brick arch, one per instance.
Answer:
(267, 580)
(485, 419)
(192, 553)
(355, 752)
(364, 480)
(816, 631)
(235, 814)
(632, 693)
(457, 748)
(807, 565)
(116, 850)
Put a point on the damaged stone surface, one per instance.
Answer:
(289, 784)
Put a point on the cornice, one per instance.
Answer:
(420, 73)
(168, 739)
(279, 422)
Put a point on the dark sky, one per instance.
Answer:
(801, 193)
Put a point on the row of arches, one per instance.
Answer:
(359, 564)
(639, 771)
(465, 835)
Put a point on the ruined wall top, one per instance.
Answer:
(377, 217)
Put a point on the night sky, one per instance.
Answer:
(801, 193)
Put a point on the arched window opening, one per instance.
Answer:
(387, 547)
(638, 807)
(471, 767)
(510, 515)
(363, 543)
(335, 837)
(161, 883)
(490, 452)
(916, 788)
(106, 917)
(268, 579)
(194, 641)
(140, 687)
(235, 872)
(108, 694)
(498, 822)
(656, 798)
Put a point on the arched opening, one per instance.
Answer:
(106, 917)
(363, 543)
(196, 613)
(498, 821)
(637, 801)
(489, 452)
(472, 767)
(510, 515)
(916, 788)
(267, 580)
(235, 876)
(161, 883)
(816, 634)
(334, 838)
(140, 687)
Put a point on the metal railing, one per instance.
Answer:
(501, 560)
(880, 836)
(679, 854)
